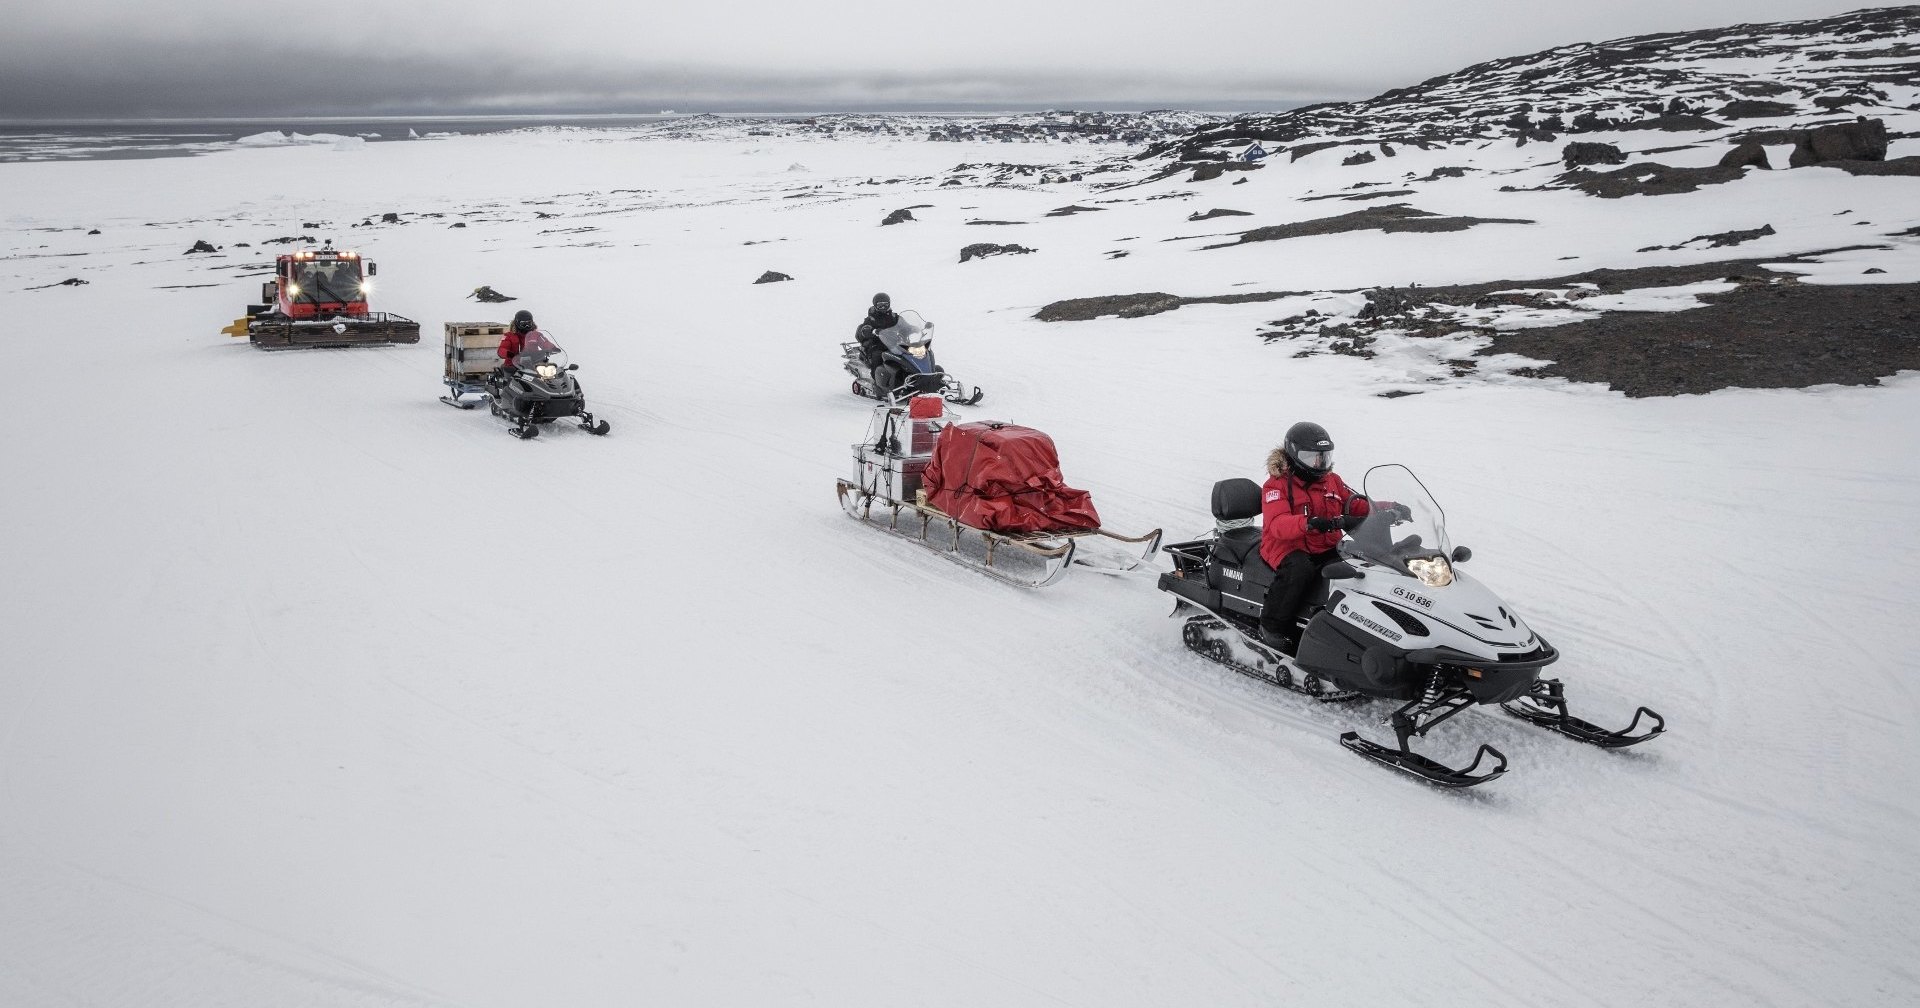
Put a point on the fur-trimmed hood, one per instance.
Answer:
(1277, 462)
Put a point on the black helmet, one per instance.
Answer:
(883, 302)
(1309, 450)
(523, 321)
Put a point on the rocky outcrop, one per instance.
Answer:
(1755, 108)
(1122, 305)
(1723, 239)
(1393, 218)
(900, 216)
(772, 277)
(1645, 179)
(1358, 158)
(200, 247)
(1580, 155)
(1863, 140)
(488, 295)
(1745, 155)
(981, 250)
(1217, 212)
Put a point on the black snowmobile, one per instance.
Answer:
(907, 367)
(1393, 619)
(536, 388)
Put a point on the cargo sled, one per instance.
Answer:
(995, 501)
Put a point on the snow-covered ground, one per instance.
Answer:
(314, 691)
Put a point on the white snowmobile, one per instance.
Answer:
(907, 368)
(1394, 619)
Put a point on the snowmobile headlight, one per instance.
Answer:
(547, 372)
(1434, 572)
(918, 349)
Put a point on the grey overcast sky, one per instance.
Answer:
(114, 58)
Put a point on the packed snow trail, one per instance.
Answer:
(316, 691)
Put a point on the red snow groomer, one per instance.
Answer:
(319, 299)
(985, 495)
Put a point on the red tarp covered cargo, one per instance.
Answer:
(1004, 478)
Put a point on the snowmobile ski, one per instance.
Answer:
(1546, 705)
(1427, 768)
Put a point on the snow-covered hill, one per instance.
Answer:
(314, 691)
(1863, 63)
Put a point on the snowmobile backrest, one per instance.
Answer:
(1236, 499)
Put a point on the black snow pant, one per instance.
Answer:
(1293, 581)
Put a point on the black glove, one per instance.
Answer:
(1323, 524)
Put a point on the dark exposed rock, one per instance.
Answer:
(1864, 140)
(1722, 240)
(290, 239)
(1209, 172)
(1358, 158)
(456, 224)
(1393, 218)
(1137, 305)
(900, 216)
(242, 245)
(772, 277)
(1305, 149)
(1217, 212)
(1445, 171)
(1240, 181)
(68, 282)
(981, 250)
(489, 295)
(997, 222)
(1673, 123)
(1755, 108)
(1746, 155)
(1068, 211)
(1123, 305)
(199, 247)
(1645, 179)
(389, 218)
(1580, 155)
(95, 231)
(1909, 165)
(1758, 335)
(1870, 272)
(1360, 197)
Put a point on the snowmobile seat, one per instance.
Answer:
(1238, 500)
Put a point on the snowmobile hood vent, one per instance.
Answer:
(1405, 619)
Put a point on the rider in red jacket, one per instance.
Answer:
(1304, 509)
(521, 336)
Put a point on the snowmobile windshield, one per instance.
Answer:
(327, 281)
(541, 356)
(1404, 530)
(910, 335)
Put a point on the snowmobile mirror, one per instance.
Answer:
(573, 367)
(373, 269)
(1340, 570)
(1461, 554)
